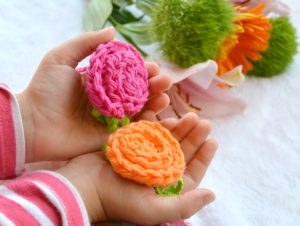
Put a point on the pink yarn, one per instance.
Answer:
(116, 80)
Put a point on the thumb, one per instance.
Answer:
(76, 49)
(168, 209)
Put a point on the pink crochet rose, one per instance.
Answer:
(116, 80)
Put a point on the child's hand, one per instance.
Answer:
(107, 196)
(55, 109)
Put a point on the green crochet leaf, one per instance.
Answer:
(170, 190)
(103, 148)
(96, 14)
(96, 114)
(112, 123)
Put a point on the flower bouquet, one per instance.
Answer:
(207, 46)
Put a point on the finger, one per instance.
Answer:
(76, 49)
(153, 69)
(158, 103)
(158, 84)
(169, 123)
(166, 209)
(195, 138)
(147, 115)
(154, 106)
(184, 126)
(196, 169)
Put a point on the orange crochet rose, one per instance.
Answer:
(146, 152)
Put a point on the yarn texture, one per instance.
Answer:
(116, 80)
(146, 153)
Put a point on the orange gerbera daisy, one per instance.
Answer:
(249, 38)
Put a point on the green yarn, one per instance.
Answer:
(281, 51)
(111, 122)
(103, 148)
(170, 190)
(192, 31)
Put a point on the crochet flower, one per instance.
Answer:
(146, 153)
(116, 80)
(250, 37)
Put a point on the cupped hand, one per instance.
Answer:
(108, 196)
(55, 109)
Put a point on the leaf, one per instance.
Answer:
(123, 3)
(123, 15)
(139, 32)
(96, 14)
(130, 40)
(146, 5)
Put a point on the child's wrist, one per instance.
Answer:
(82, 186)
(28, 125)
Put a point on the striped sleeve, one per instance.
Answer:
(12, 141)
(41, 198)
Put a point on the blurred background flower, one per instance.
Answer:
(207, 46)
(274, 6)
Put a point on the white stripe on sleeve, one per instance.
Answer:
(19, 134)
(28, 206)
(5, 221)
(51, 196)
(75, 193)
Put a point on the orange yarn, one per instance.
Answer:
(146, 152)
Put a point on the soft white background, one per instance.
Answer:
(256, 172)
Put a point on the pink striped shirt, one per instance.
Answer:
(12, 142)
(39, 198)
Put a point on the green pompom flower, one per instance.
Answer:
(191, 32)
(281, 51)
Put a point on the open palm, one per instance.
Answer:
(115, 198)
(58, 124)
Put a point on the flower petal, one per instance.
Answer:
(203, 73)
(204, 96)
(282, 9)
(232, 78)
(272, 6)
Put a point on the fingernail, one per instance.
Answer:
(107, 28)
(208, 199)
